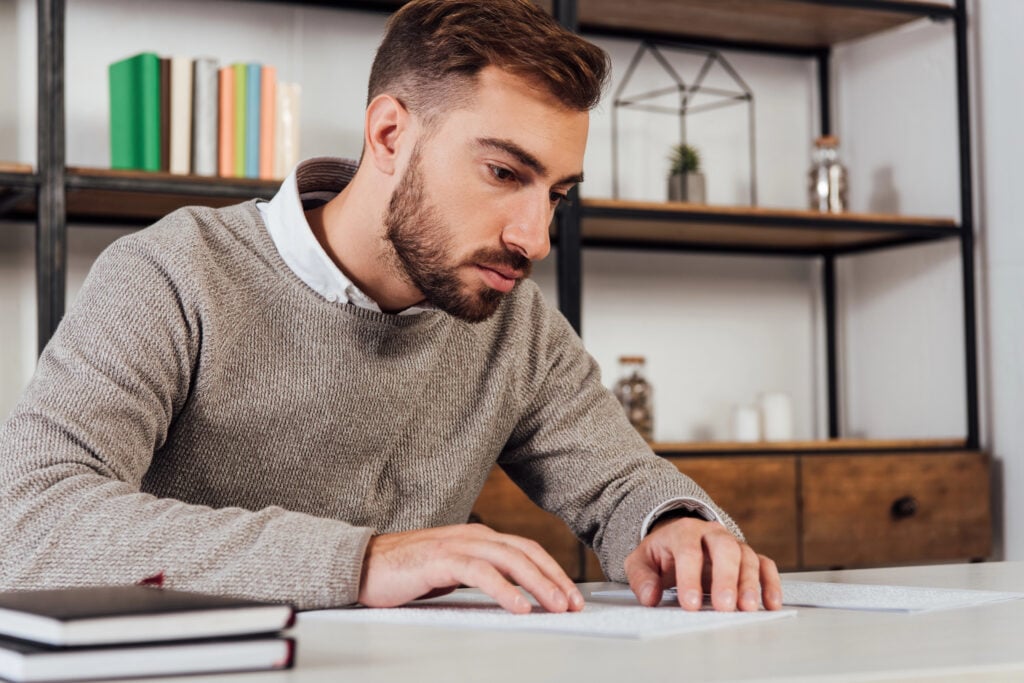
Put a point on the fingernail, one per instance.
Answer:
(749, 600)
(693, 598)
(521, 603)
(728, 599)
(576, 598)
(650, 592)
(775, 598)
(559, 600)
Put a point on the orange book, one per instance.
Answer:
(226, 123)
(268, 102)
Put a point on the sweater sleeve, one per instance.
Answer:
(575, 454)
(74, 451)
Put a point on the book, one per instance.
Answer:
(204, 116)
(101, 615)
(268, 102)
(181, 115)
(286, 154)
(135, 112)
(226, 123)
(24, 662)
(253, 76)
(165, 114)
(239, 109)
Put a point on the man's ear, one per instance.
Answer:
(387, 121)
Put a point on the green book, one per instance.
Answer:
(135, 113)
(240, 106)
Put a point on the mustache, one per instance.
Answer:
(504, 258)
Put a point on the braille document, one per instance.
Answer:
(612, 618)
(885, 598)
(870, 597)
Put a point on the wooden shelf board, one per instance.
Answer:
(795, 24)
(815, 446)
(632, 223)
(124, 196)
(18, 184)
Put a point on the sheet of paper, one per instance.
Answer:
(609, 618)
(866, 596)
(885, 598)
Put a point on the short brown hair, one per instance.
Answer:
(433, 50)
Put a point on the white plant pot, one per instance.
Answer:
(686, 187)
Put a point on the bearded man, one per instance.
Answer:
(300, 400)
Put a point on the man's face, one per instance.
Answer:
(473, 206)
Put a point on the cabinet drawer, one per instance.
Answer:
(863, 510)
(759, 493)
(504, 507)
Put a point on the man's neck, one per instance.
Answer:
(351, 232)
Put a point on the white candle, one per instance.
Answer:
(776, 417)
(746, 424)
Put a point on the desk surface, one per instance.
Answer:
(977, 643)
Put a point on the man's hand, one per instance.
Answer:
(405, 566)
(692, 554)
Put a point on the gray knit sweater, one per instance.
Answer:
(203, 414)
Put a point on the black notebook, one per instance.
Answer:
(131, 614)
(24, 662)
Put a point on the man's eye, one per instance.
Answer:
(557, 197)
(502, 173)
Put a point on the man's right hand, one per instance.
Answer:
(402, 567)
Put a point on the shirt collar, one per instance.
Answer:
(315, 182)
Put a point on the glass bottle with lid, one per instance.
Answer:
(827, 177)
(634, 393)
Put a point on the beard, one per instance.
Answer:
(421, 243)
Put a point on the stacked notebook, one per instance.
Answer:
(132, 631)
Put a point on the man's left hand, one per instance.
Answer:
(694, 555)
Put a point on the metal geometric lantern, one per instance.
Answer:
(688, 92)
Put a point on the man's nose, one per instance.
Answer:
(528, 230)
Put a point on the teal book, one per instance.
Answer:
(253, 88)
(135, 113)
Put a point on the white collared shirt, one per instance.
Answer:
(286, 222)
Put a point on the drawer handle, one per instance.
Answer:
(904, 508)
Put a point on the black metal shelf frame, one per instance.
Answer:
(52, 182)
(957, 14)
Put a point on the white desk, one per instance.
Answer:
(978, 643)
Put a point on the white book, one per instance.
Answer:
(204, 116)
(286, 155)
(181, 115)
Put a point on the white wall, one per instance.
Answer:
(716, 329)
(999, 113)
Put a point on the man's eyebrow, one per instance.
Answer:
(527, 159)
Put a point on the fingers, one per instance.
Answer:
(401, 567)
(725, 554)
(527, 564)
(549, 568)
(684, 551)
(689, 563)
(771, 584)
(644, 581)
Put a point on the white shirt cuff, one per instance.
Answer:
(689, 504)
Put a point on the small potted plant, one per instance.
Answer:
(685, 181)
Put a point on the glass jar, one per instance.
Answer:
(827, 177)
(634, 393)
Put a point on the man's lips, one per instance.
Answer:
(500, 278)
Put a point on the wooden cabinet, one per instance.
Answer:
(861, 510)
(808, 511)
